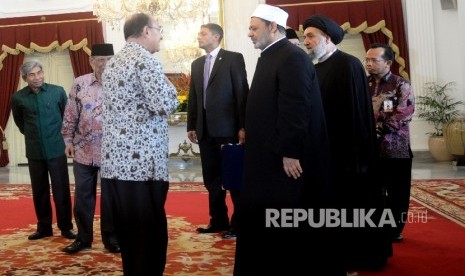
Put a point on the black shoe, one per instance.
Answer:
(39, 235)
(113, 248)
(212, 229)
(229, 235)
(75, 247)
(69, 234)
(398, 238)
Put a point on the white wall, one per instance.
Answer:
(450, 52)
(436, 53)
(236, 25)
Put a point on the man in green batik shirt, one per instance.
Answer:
(38, 112)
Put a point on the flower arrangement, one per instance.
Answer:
(182, 83)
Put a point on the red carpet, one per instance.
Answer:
(437, 246)
(188, 252)
(430, 248)
(433, 244)
(182, 198)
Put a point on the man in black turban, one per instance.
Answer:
(328, 26)
(353, 146)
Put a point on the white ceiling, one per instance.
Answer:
(17, 8)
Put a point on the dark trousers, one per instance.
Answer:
(140, 223)
(107, 217)
(397, 176)
(39, 171)
(210, 154)
(84, 206)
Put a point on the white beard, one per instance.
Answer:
(319, 50)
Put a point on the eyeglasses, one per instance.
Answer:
(373, 60)
(102, 60)
(160, 29)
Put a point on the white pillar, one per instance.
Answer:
(422, 55)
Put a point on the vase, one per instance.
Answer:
(177, 118)
(454, 133)
(438, 149)
(183, 116)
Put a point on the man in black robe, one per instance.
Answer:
(286, 155)
(352, 141)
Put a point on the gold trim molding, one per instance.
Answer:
(36, 48)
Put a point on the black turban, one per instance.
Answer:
(290, 33)
(104, 49)
(327, 25)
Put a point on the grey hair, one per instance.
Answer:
(28, 66)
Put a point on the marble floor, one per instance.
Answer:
(424, 167)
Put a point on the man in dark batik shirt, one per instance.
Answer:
(38, 112)
(393, 105)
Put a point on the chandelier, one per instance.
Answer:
(113, 11)
(181, 56)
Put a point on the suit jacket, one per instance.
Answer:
(226, 96)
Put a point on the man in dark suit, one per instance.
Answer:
(216, 112)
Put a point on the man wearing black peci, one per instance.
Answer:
(82, 132)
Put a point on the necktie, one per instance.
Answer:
(206, 76)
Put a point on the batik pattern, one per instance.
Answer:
(136, 104)
(82, 121)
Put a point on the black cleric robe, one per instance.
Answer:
(352, 140)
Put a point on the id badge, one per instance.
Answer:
(388, 106)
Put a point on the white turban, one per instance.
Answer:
(271, 13)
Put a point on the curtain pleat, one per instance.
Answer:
(9, 79)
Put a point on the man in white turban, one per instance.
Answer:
(286, 155)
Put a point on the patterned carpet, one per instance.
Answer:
(188, 252)
(446, 196)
